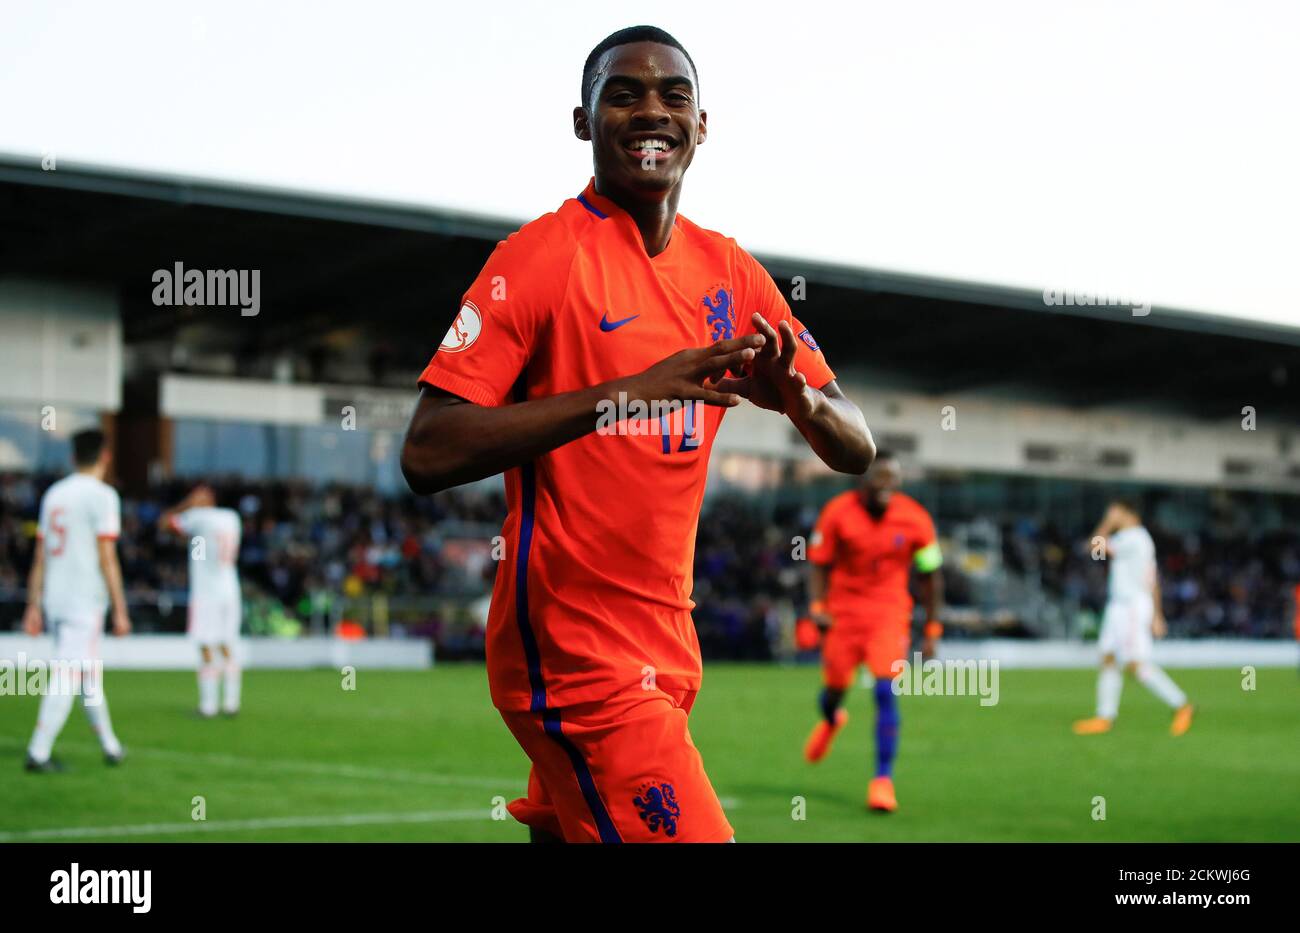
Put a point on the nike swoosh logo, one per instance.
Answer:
(607, 325)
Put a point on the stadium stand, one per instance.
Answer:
(356, 294)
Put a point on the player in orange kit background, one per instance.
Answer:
(614, 301)
(865, 543)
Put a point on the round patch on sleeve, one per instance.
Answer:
(464, 330)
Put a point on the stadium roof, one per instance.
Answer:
(362, 290)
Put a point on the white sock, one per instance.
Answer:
(1161, 684)
(208, 687)
(55, 706)
(97, 713)
(231, 685)
(1110, 684)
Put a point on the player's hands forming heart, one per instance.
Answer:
(770, 380)
(690, 374)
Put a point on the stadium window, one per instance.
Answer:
(204, 447)
(24, 446)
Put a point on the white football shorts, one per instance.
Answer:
(1126, 629)
(215, 621)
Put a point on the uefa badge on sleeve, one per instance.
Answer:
(464, 330)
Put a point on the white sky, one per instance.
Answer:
(1142, 149)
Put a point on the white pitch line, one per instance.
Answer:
(216, 826)
(306, 767)
(275, 822)
(313, 767)
(336, 770)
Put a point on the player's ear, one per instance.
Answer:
(581, 124)
(703, 131)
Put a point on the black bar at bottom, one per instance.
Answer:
(333, 881)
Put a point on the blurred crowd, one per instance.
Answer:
(1222, 580)
(306, 545)
(297, 538)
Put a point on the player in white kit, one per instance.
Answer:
(216, 607)
(1133, 615)
(75, 576)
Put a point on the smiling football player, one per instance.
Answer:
(593, 659)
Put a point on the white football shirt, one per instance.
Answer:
(213, 544)
(76, 512)
(1132, 563)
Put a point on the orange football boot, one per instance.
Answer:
(880, 795)
(1093, 726)
(819, 743)
(1182, 719)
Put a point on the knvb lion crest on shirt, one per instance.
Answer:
(657, 806)
(722, 315)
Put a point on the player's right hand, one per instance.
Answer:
(822, 620)
(32, 620)
(686, 374)
(807, 634)
(121, 623)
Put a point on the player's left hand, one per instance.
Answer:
(928, 647)
(121, 624)
(770, 380)
(32, 623)
(1158, 627)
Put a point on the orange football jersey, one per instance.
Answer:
(593, 597)
(869, 558)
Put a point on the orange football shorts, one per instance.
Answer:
(879, 646)
(622, 770)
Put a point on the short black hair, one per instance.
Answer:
(1128, 504)
(87, 446)
(627, 37)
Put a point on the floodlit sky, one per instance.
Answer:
(1146, 150)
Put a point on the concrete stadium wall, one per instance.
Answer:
(62, 345)
(176, 652)
(995, 434)
(253, 400)
(987, 433)
(1215, 653)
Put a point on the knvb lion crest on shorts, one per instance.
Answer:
(657, 806)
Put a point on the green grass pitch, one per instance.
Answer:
(416, 756)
